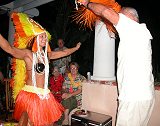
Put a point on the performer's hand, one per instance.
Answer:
(83, 2)
(78, 45)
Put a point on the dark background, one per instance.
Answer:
(56, 18)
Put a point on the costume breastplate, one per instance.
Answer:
(39, 67)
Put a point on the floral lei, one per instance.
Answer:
(74, 84)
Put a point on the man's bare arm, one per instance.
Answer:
(66, 52)
(102, 11)
(15, 52)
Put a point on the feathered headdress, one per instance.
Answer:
(86, 18)
(25, 30)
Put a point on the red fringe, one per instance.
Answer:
(41, 112)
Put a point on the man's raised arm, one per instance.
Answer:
(101, 10)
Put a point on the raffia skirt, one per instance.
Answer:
(40, 111)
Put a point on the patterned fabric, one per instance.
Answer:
(73, 85)
(41, 112)
(56, 87)
(62, 63)
(70, 103)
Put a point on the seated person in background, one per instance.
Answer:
(72, 87)
(67, 71)
(56, 81)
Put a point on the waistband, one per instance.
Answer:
(36, 90)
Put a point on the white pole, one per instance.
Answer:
(104, 54)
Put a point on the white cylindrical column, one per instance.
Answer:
(104, 54)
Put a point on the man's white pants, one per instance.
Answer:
(135, 113)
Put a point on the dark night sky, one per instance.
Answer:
(148, 13)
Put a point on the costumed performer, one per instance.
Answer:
(34, 103)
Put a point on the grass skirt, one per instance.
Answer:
(40, 111)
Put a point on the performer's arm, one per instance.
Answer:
(101, 10)
(15, 52)
(66, 52)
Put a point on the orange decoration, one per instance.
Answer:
(34, 47)
(86, 18)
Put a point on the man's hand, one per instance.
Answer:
(83, 2)
(78, 45)
(66, 96)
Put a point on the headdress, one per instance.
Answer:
(86, 18)
(25, 30)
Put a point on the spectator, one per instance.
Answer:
(56, 82)
(72, 87)
(63, 62)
